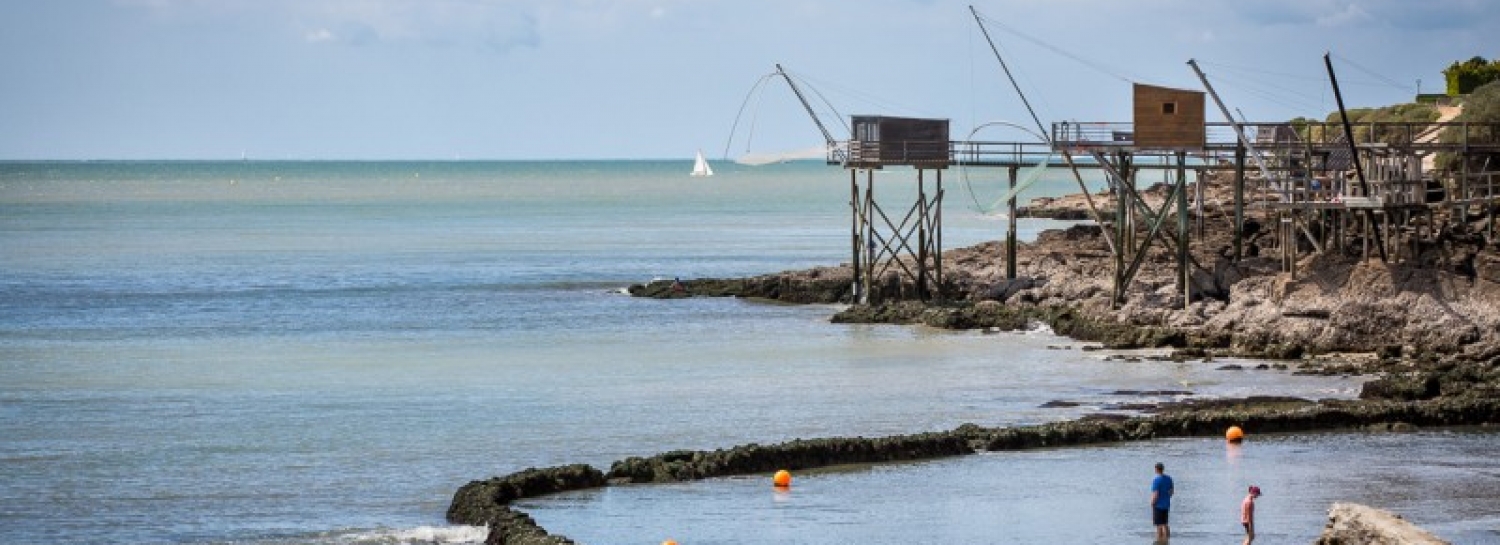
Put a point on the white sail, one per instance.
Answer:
(700, 166)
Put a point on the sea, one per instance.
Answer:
(279, 352)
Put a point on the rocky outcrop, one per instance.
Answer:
(1440, 299)
(1354, 524)
(818, 285)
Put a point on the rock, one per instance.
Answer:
(1003, 289)
(479, 501)
(1351, 524)
(1231, 367)
(1057, 404)
(1404, 387)
(510, 527)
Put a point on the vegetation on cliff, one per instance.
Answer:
(1482, 106)
(1361, 118)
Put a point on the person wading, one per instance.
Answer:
(1161, 503)
(1247, 513)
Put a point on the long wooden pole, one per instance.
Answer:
(1359, 170)
(1239, 203)
(1067, 157)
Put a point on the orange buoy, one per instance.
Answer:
(1235, 434)
(783, 479)
(669, 542)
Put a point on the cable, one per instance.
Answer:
(826, 102)
(1361, 68)
(1060, 51)
(732, 128)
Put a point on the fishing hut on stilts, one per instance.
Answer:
(890, 258)
(1346, 190)
(890, 254)
(1168, 126)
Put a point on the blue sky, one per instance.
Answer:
(558, 79)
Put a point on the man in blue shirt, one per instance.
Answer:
(1161, 503)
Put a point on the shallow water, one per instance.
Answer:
(324, 352)
(1075, 495)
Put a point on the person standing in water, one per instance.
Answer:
(1161, 503)
(1247, 513)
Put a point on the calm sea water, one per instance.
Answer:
(266, 352)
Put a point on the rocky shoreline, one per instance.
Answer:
(1427, 327)
(1429, 323)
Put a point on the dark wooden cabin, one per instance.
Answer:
(890, 141)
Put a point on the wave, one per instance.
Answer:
(421, 535)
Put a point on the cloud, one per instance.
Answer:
(1351, 14)
(319, 36)
(1390, 14)
(500, 25)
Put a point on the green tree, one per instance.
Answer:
(1464, 77)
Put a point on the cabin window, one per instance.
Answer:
(1169, 108)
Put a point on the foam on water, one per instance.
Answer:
(422, 535)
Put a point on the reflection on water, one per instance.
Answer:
(1445, 481)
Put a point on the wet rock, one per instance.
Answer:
(1058, 404)
(1231, 367)
(510, 527)
(1391, 427)
(792, 455)
(1402, 387)
(479, 501)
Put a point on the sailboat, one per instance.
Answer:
(700, 166)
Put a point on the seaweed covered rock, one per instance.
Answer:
(511, 527)
(796, 454)
(479, 501)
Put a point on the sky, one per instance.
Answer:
(661, 79)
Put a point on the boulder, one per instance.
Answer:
(1352, 523)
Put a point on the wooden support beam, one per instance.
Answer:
(1239, 203)
(1184, 274)
(859, 287)
(1010, 231)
